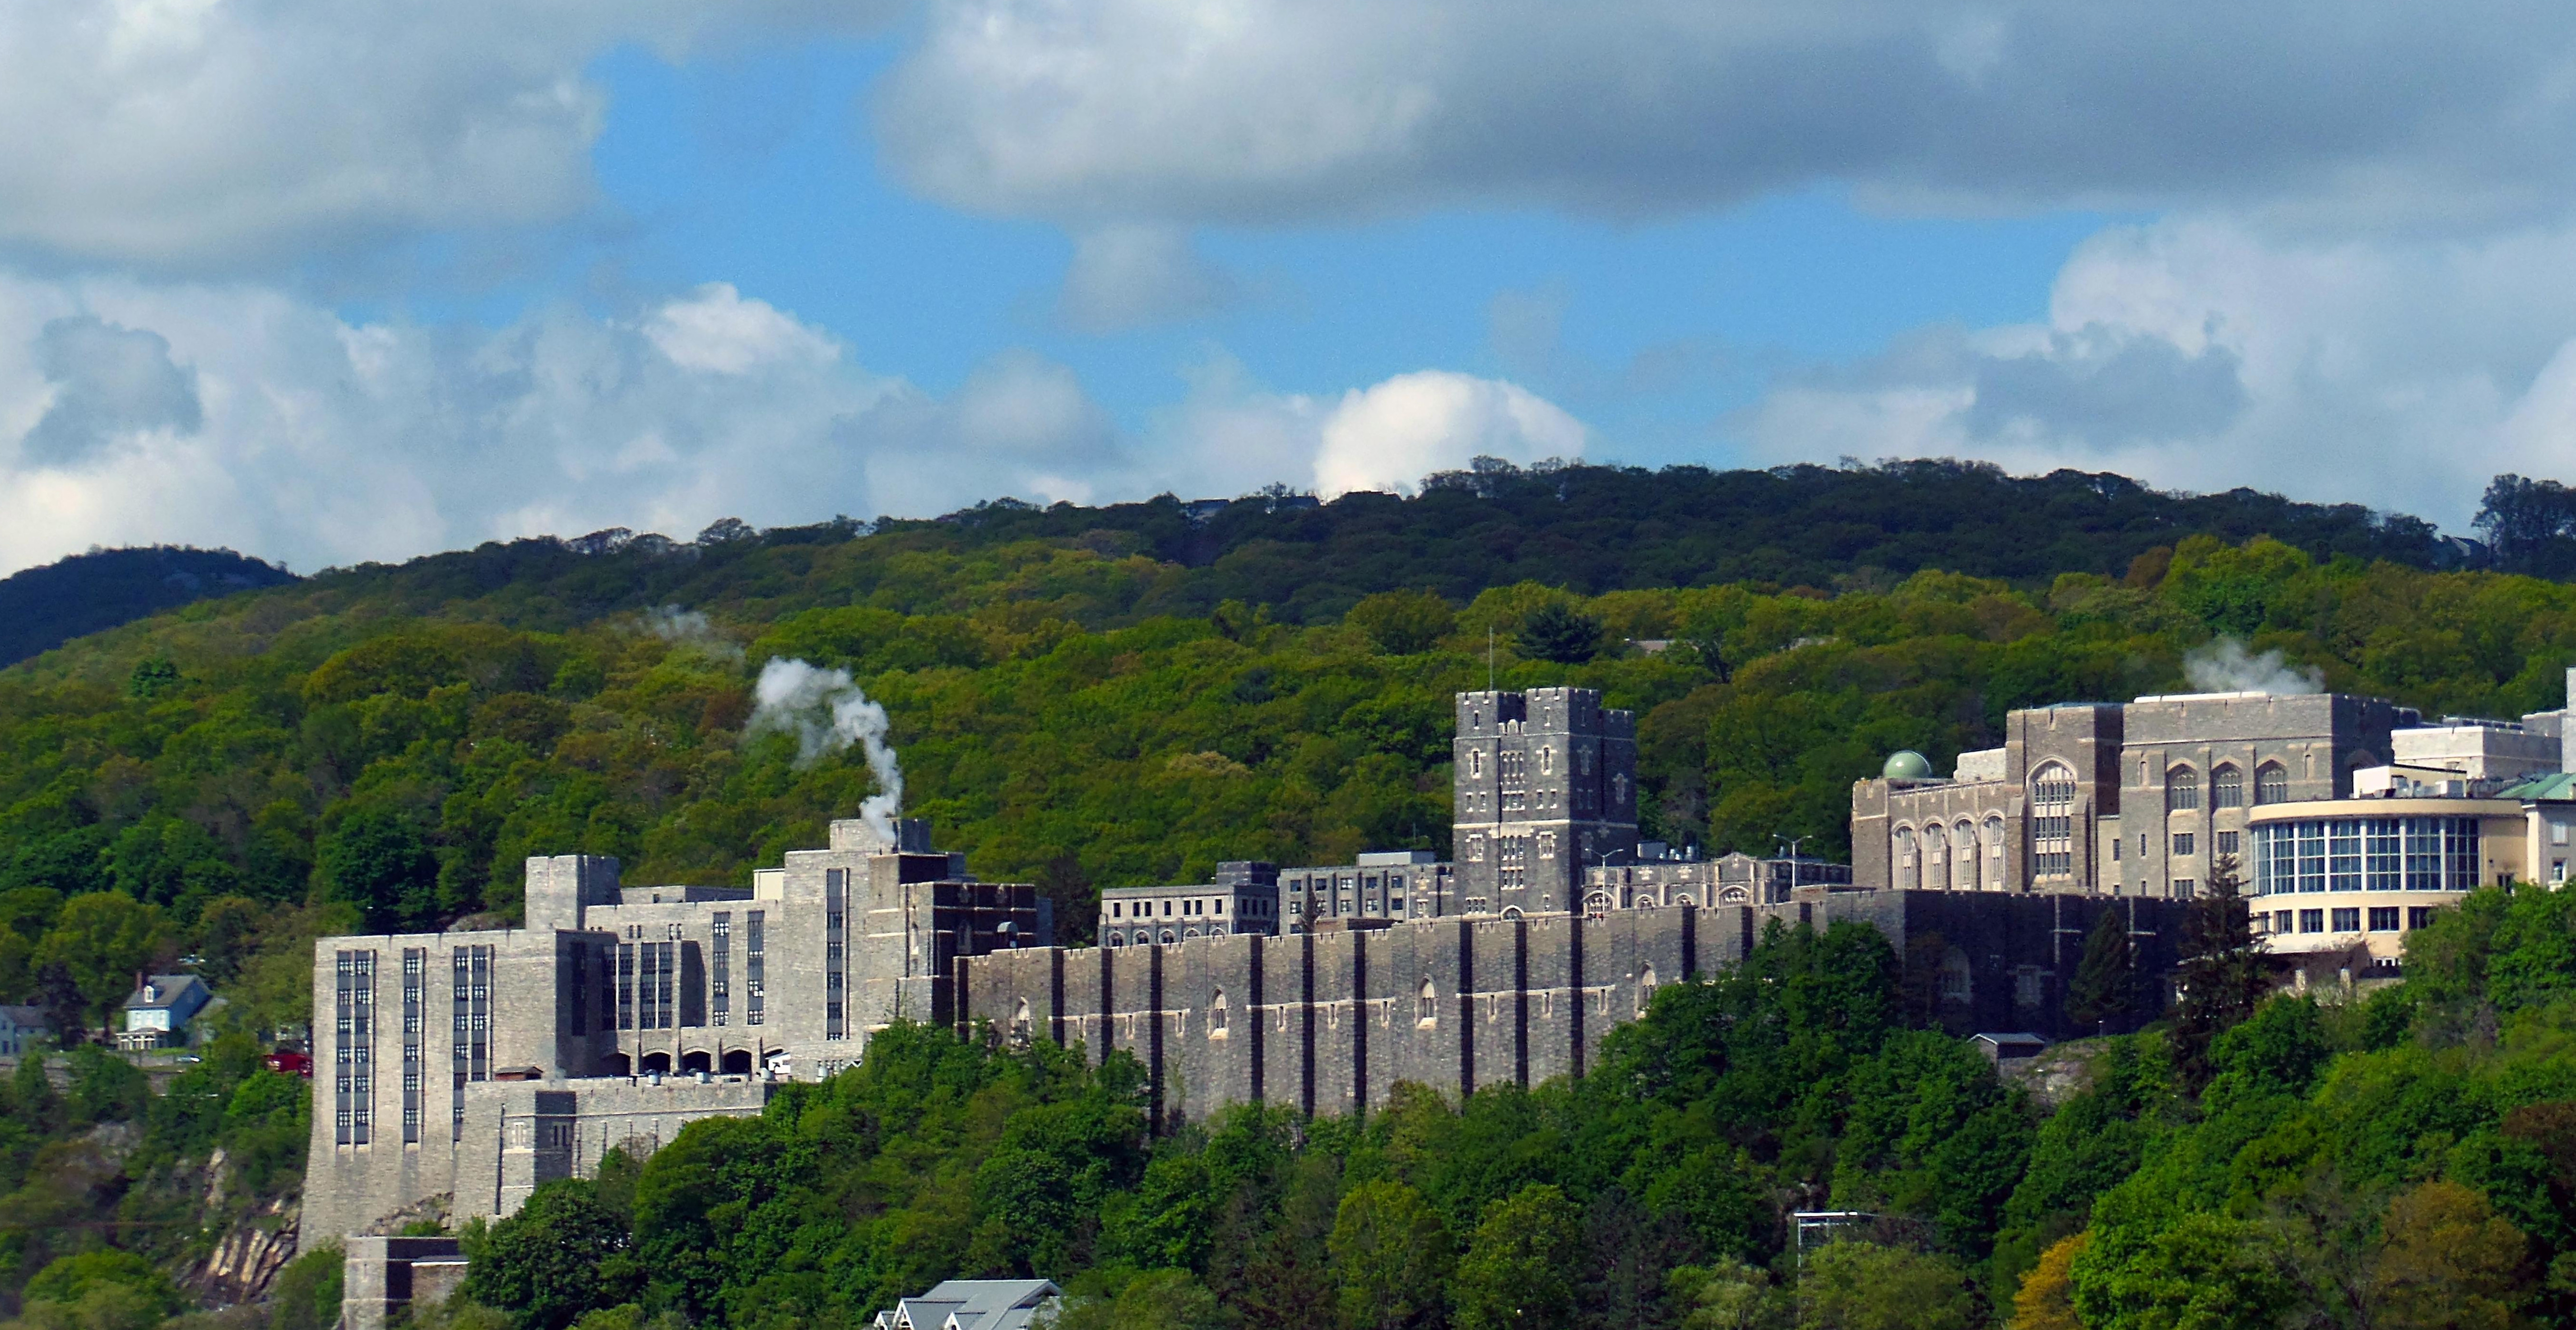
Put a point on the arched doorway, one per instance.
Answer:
(696, 1063)
(618, 1065)
(657, 1064)
(737, 1062)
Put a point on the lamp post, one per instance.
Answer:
(1793, 842)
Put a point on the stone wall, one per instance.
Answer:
(1330, 1021)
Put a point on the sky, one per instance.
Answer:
(328, 283)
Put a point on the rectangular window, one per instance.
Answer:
(2312, 856)
(626, 985)
(2227, 842)
(2383, 854)
(836, 885)
(2419, 916)
(2347, 920)
(720, 970)
(415, 975)
(2423, 853)
(2557, 833)
(2383, 918)
(2115, 848)
(2182, 844)
(2184, 887)
(755, 999)
(2312, 921)
(354, 1025)
(2343, 867)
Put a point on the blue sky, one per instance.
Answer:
(656, 263)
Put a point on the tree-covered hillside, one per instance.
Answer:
(42, 608)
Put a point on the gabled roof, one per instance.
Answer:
(972, 1304)
(27, 1018)
(167, 992)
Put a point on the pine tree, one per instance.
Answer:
(2221, 973)
(2105, 978)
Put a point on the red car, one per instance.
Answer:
(296, 1063)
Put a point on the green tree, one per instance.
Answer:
(1154, 1300)
(1392, 1256)
(1559, 632)
(1863, 1286)
(1518, 1273)
(100, 941)
(152, 676)
(377, 859)
(2204, 1272)
(560, 1255)
(1404, 623)
(2105, 977)
(2221, 972)
(2447, 1261)
(306, 1294)
(1731, 1295)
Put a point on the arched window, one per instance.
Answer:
(1597, 905)
(1995, 838)
(1169, 938)
(2226, 787)
(1426, 1005)
(2052, 820)
(1963, 857)
(1216, 1015)
(2182, 789)
(1730, 896)
(2271, 784)
(1476, 762)
(1020, 1024)
(1908, 872)
(1645, 989)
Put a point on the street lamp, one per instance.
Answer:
(1793, 842)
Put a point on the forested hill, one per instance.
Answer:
(42, 608)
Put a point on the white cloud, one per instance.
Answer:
(1389, 436)
(1268, 110)
(718, 331)
(236, 415)
(2205, 354)
(196, 136)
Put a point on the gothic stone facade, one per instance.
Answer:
(2101, 798)
(1545, 784)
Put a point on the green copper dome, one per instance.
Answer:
(1906, 764)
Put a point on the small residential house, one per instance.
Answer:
(157, 1013)
(23, 1029)
(973, 1304)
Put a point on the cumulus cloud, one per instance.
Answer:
(196, 136)
(1393, 434)
(238, 415)
(1270, 110)
(107, 381)
(2206, 353)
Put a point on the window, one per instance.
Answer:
(1426, 1005)
(2312, 921)
(2052, 823)
(2184, 888)
(1597, 905)
(2419, 916)
(1645, 990)
(1475, 847)
(2227, 842)
(2347, 920)
(2183, 844)
(754, 968)
(2182, 789)
(2557, 833)
(2115, 850)
(2383, 918)
(2271, 784)
(2226, 788)
(1216, 1015)
(1547, 845)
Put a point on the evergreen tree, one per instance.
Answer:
(2105, 977)
(2221, 973)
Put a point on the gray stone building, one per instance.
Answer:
(2111, 799)
(1544, 786)
(1243, 899)
(458, 1069)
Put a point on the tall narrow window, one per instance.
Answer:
(415, 975)
(720, 978)
(755, 994)
(2182, 789)
(2052, 821)
(354, 1025)
(626, 985)
(2271, 784)
(2226, 788)
(1426, 1004)
(836, 887)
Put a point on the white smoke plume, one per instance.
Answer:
(2224, 666)
(690, 628)
(827, 713)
